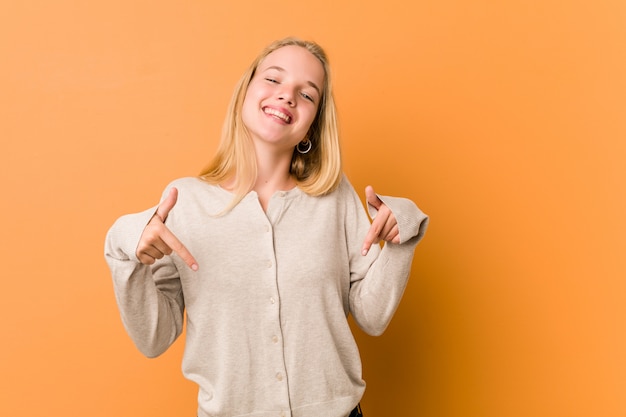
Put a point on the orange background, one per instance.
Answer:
(505, 121)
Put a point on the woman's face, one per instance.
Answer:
(283, 98)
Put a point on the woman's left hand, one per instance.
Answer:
(384, 226)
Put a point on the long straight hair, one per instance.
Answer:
(317, 172)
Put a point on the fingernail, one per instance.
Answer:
(194, 267)
(364, 252)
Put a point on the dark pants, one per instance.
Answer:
(356, 412)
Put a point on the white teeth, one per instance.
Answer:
(278, 114)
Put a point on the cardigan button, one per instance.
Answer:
(279, 376)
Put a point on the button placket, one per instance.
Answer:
(274, 335)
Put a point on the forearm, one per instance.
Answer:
(375, 297)
(151, 306)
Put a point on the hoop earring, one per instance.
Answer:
(308, 145)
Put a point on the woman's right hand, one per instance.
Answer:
(157, 240)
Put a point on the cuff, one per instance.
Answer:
(411, 220)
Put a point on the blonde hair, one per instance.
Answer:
(317, 172)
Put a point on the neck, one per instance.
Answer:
(272, 174)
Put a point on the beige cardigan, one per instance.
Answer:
(267, 333)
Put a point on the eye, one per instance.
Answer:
(307, 97)
(271, 80)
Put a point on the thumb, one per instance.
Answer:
(371, 197)
(166, 205)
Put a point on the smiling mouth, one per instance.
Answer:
(276, 113)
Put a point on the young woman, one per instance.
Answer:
(267, 251)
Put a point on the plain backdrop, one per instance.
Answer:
(504, 120)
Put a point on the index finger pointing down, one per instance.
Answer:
(177, 246)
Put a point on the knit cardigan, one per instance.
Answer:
(266, 313)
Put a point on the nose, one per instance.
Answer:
(286, 95)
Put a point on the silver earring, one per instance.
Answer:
(307, 146)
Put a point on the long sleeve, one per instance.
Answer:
(149, 297)
(377, 287)
(266, 329)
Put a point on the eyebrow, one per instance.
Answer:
(311, 83)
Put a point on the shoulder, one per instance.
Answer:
(343, 192)
(187, 183)
(192, 186)
(191, 189)
(345, 195)
(195, 193)
(345, 186)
